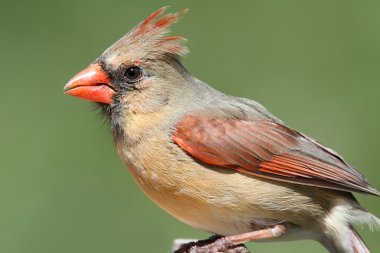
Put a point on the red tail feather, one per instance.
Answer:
(358, 245)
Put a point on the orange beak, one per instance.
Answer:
(92, 84)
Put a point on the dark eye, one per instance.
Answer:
(133, 73)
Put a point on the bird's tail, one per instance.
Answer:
(362, 217)
(342, 236)
(357, 243)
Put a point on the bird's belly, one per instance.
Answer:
(214, 199)
(202, 211)
(211, 203)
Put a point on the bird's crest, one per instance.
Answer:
(149, 38)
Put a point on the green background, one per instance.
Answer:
(314, 64)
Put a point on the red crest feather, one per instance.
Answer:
(149, 37)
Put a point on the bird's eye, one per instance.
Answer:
(133, 73)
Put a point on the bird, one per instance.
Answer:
(219, 163)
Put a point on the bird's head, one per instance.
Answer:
(138, 71)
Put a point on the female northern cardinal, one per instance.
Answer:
(219, 163)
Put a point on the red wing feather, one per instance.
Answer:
(266, 149)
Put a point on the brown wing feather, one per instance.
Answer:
(266, 149)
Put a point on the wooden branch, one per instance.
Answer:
(179, 241)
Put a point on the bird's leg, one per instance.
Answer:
(270, 232)
(228, 243)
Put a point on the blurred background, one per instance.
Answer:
(314, 64)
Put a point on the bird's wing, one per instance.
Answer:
(266, 149)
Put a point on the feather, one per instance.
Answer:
(269, 150)
(149, 39)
